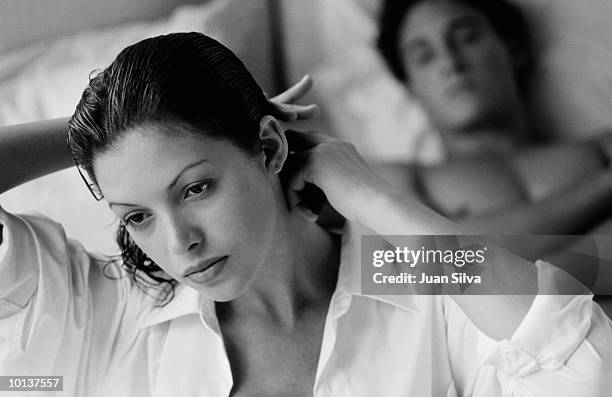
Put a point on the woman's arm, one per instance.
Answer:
(28, 151)
(355, 191)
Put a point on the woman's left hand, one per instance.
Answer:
(333, 166)
(284, 103)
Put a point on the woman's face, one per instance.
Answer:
(457, 65)
(192, 203)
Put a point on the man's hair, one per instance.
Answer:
(507, 20)
(184, 79)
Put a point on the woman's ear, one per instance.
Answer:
(274, 143)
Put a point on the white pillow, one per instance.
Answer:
(46, 80)
(573, 90)
(363, 102)
(375, 113)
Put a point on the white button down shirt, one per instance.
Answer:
(61, 315)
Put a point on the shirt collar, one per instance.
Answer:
(349, 274)
(188, 301)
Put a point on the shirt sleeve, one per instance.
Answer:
(49, 287)
(25, 241)
(563, 347)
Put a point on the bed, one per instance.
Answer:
(48, 48)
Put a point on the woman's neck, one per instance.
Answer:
(301, 271)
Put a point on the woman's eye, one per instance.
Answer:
(136, 219)
(197, 189)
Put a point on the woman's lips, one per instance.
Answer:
(207, 271)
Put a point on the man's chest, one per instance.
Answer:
(473, 187)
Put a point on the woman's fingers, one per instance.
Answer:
(325, 169)
(295, 92)
(306, 112)
(294, 174)
(284, 103)
(290, 113)
(294, 177)
(299, 140)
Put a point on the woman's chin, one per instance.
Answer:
(219, 293)
(223, 292)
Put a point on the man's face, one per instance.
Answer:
(457, 65)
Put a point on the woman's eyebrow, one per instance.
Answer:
(192, 165)
(170, 186)
(112, 203)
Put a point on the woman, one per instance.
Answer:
(180, 141)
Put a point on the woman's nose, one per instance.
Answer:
(184, 236)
